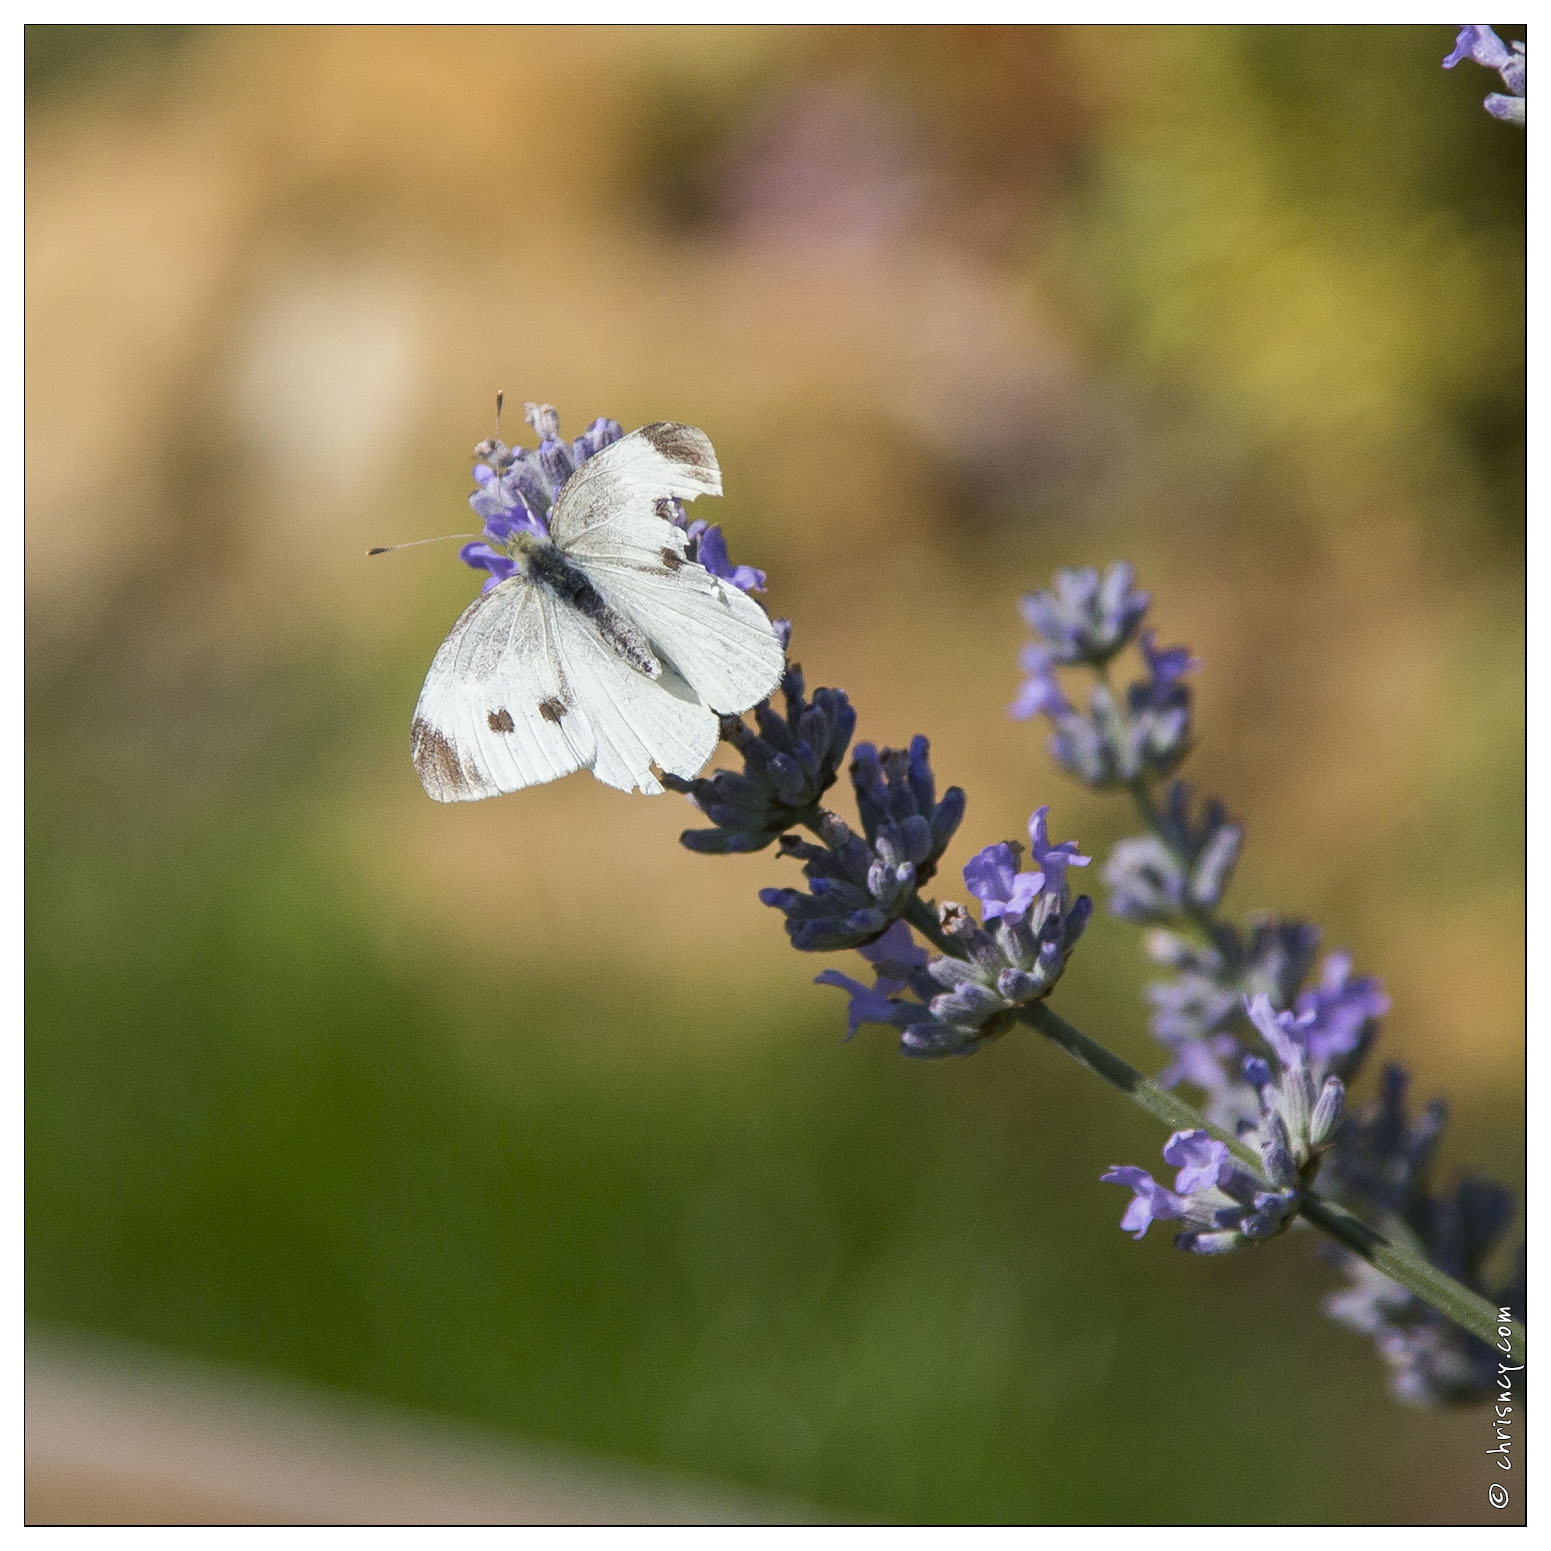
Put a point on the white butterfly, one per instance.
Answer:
(609, 650)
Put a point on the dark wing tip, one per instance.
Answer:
(437, 763)
(683, 444)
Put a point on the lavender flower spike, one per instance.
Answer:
(1382, 1166)
(1482, 45)
(1013, 956)
(1223, 1205)
(1086, 617)
(859, 884)
(1184, 866)
(1118, 740)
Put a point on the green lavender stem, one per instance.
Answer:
(1417, 1275)
(922, 915)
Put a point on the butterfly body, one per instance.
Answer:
(608, 649)
(548, 567)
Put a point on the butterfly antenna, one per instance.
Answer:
(387, 549)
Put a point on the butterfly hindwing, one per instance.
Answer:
(634, 721)
(717, 636)
(609, 519)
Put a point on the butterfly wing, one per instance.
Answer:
(609, 521)
(601, 506)
(495, 713)
(524, 690)
(633, 721)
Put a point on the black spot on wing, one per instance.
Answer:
(551, 709)
(671, 558)
(501, 721)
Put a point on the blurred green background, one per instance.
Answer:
(517, 1112)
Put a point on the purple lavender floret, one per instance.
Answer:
(1118, 741)
(957, 1002)
(1093, 746)
(709, 547)
(595, 438)
(517, 487)
(1158, 732)
(1223, 1206)
(899, 964)
(1483, 46)
(1166, 667)
(1053, 860)
(1183, 868)
(1337, 1019)
(859, 884)
(1086, 617)
(789, 762)
(1151, 1202)
(483, 557)
(992, 876)
(1040, 694)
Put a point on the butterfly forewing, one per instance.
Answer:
(497, 712)
(602, 511)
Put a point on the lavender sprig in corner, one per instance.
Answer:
(1485, 48)
(1270, 1050)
